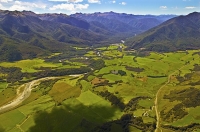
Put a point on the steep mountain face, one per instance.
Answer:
(121, 22)
(63, 18)
(179, 33)
(76, 22)
(70, 30)
(33, 34)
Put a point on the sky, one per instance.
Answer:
(142, 7)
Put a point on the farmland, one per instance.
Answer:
(105, 89)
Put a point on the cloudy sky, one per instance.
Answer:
(156, 7)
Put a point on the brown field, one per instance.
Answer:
(97, 81)
(7, 95)
(62, 91)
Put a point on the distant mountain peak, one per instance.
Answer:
(29, 13)
(13, 13)
(194, 13)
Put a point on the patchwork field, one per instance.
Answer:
(109, 89)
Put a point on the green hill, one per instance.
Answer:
(32, 36)
(179, 33)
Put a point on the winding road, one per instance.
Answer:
(158, 129)
(24, 95)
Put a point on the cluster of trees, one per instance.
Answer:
(104, 83)
(125, 122)
(45, 86)
(97, 64)
(180, 79)
(135, 69)
(133, 103)
(191, 99)
(160, 48)
(121, 72)
(10, 53)
(194, 83)
(196, 67)
(157, 76)
(70, 53)
(13, 74)
(187, 76)
(177, 112)
(60, 72)
(131, 106)
(113, 99)
(191, 96)
(198, 53)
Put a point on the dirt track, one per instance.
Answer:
(158, 129)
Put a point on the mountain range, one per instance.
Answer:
(26, 34)
(122, 22)
(178, 33)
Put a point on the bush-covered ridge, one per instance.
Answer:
(179, 33)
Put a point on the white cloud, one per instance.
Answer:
(70, 1)
(2, 7)
(94, 1)
(123, 3)
(5, 1)
(190, 7)
(69, 7)
(111, 2)
(63, 7)
(19, 5)
(81, 6)
(163, 7)
(19, 8)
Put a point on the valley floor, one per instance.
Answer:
(120, 91)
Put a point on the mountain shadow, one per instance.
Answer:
(72, 118)
(2, 130)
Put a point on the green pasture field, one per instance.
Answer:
(62, 91)
(134, 129)
(95, 114)
(9, 120)
(3, 85)
(77, 97)
(7, 95)
(27, 65)
(112, 53)
(27, 123)
(31, 66)
(147, 104)
(191, 117)
(85, 85)
(148, 119)
(88, 98)
(42, 103)
(90, 54)
(105, 110)
(110, 47)
(70, 80)
(20, 115)
(156, 56)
